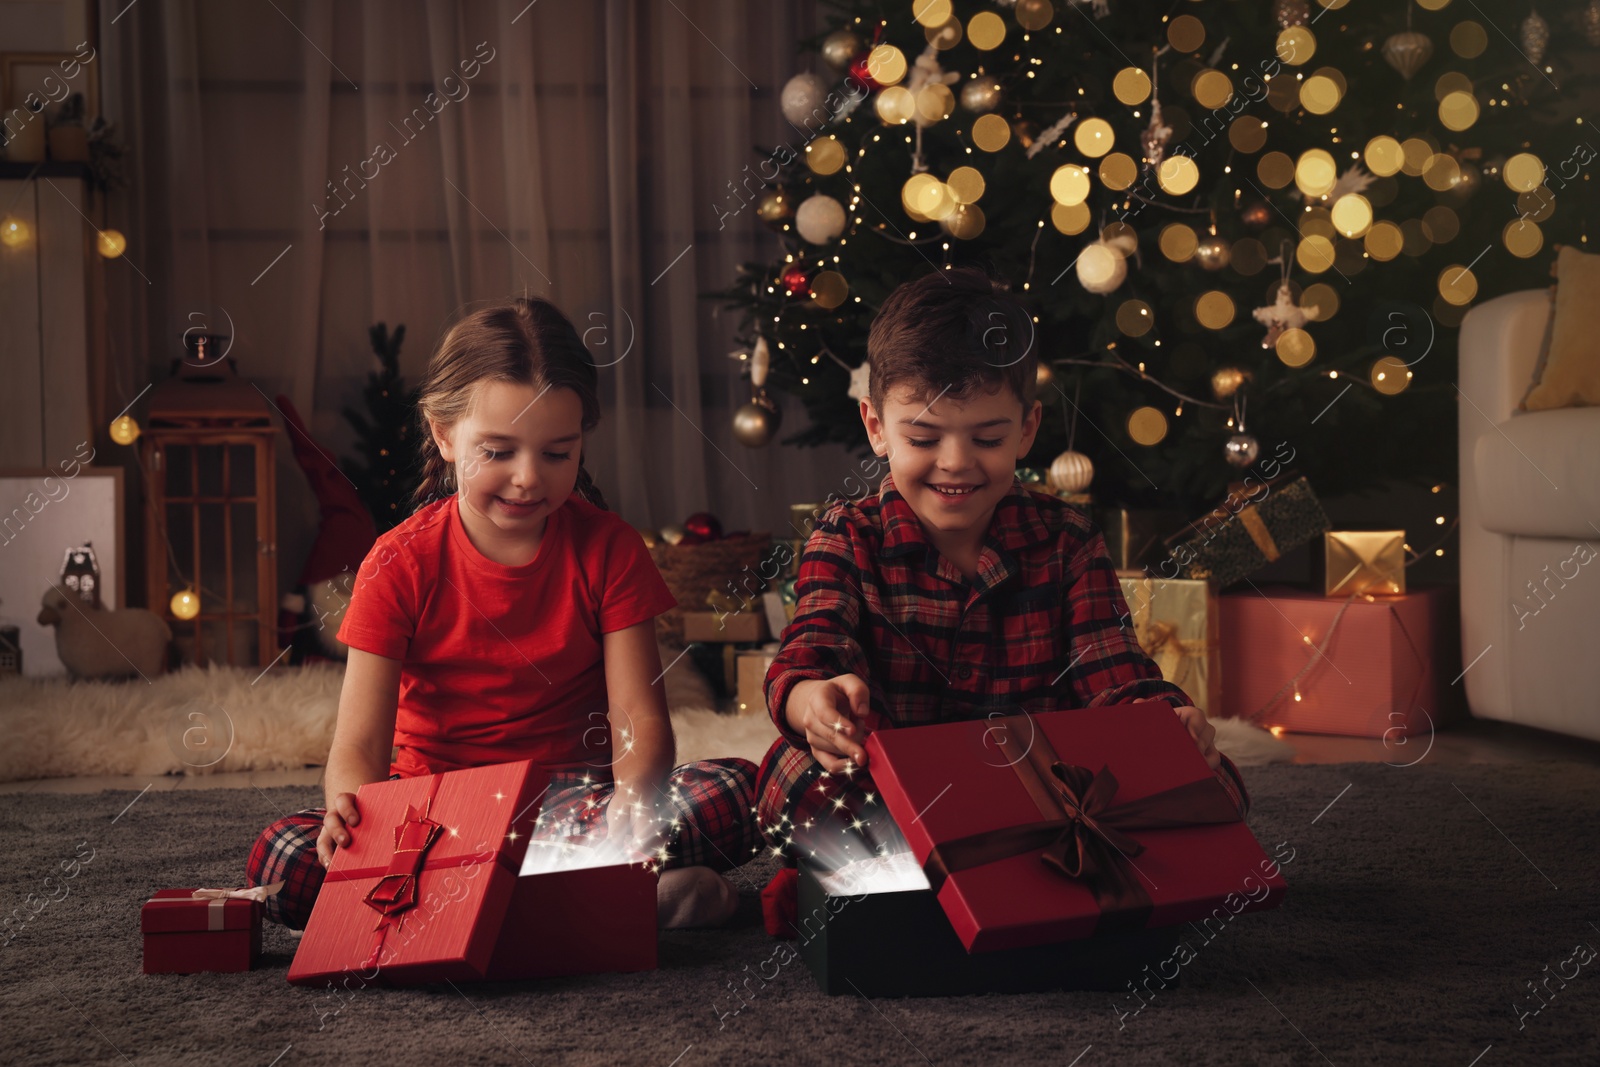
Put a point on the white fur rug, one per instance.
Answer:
(216, 719)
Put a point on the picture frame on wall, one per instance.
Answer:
(44, 511)
(50, 77)
(42, 32)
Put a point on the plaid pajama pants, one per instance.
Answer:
(711, 801)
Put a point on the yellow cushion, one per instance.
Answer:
(1570, 375)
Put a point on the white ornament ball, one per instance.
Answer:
(819, 219)
(802, 98)
(1100, 269)
(1071, 472)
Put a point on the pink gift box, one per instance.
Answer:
(1378, 676)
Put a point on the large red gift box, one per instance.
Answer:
(186, 934)
(429, 890)
(1376, 675)
(1044, 828)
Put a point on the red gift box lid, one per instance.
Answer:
(949, 781)
(485, 816)
(173, 911)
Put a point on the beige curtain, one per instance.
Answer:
(302, 170)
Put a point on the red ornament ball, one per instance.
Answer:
(795, 279)
(858, 73)
(704, 525)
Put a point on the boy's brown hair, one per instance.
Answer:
(958, 331)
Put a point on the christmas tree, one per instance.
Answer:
(1237, 224)
(385, 469)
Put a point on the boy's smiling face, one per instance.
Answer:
(952, 460)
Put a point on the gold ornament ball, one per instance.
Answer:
(671, 534)
(111, 243)
(1241, 450)
(1034, 14)
(773, 206)
(1070, 472)
(185, 604)
(755, 423)
(840, 49)
(1468, 179)
(124, 429)
(1228, 381)
(1213, 253)
(981, 94)
(1291, 12)
(1407, 51)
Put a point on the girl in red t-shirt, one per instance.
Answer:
(513, 617)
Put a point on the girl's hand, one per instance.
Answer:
(637, 833)
(835, 714)
(335, 826)
(1204, 734)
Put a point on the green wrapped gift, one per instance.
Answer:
(1248, 530)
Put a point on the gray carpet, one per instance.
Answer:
(1421, 902)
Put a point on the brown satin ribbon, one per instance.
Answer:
(1258, 532)
(1082, 833)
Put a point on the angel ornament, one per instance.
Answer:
(1282, 315)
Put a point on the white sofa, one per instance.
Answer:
(1530, 531)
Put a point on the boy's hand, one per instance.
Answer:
(1204, 734)
(335, 832)
(835, 716)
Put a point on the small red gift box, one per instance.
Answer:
(421, 891)
(1375, 677)
(187, 934)
(1035, 829)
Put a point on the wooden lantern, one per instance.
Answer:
(211, 517)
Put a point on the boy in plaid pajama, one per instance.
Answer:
(953, 592)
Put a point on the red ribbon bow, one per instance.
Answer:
(395, 892)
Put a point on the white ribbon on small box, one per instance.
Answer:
(219, 899)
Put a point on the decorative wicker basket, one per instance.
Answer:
(692, 571)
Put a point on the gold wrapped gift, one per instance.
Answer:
(1175, 622)
(1364, 561)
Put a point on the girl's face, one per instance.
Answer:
(516, 455)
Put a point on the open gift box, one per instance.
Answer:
(898, 942)
(433, 888)
(1050, 828)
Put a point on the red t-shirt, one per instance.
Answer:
(501, 663)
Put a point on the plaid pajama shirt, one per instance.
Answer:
(1038, 628)
(711, 799)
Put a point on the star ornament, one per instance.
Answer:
(858, 382)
